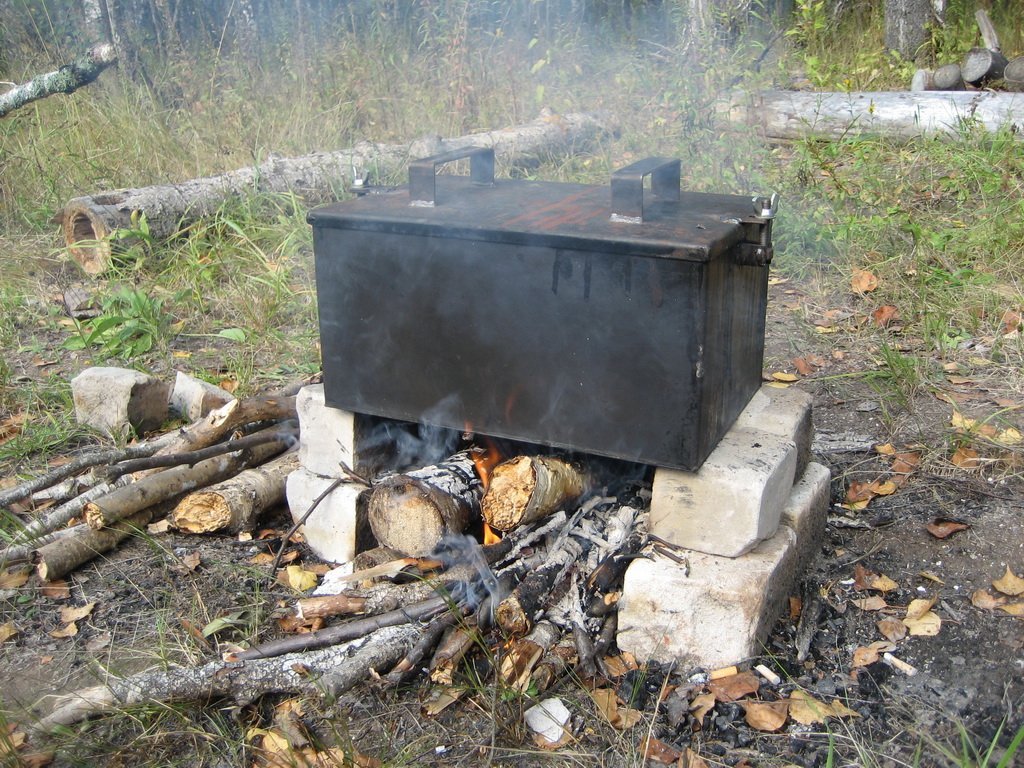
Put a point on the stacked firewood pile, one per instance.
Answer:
(982, 67)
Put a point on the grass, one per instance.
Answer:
(940, 223)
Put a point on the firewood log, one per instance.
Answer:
(178, 480)
(555, 663)
(528, 488)
(59, 558)
(235, 505)
(982, 65)
(1013, 74)
(519, 660)
(947, 78)
(413, 511)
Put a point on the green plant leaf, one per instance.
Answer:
(235, 334)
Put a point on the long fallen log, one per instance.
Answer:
(235, 505)
(88, 221)
(902, 116)
(67, 79)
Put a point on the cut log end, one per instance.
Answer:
(406, 518)
(88, 238)
(205, 512)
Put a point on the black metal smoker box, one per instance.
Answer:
(618, 320)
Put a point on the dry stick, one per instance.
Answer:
(191, 458)
(342, 632)
(431, 635)
(178, 480)
(73, 467)
(330, 671)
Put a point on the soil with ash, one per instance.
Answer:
(154, 599)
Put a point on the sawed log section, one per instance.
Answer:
(904, 116)
(88, 221)
(528, 488)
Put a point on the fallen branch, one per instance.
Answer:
(89, 221)
(329, 672)
(59, 558)
(235, 505)
(178, 480)
(67, 79)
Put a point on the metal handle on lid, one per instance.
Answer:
(423, 173)
(628, 186)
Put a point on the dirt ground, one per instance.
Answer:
(969, 674)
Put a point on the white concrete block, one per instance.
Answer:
(193, 398)
(785, 412)
(733, 501)
(116, 399)
(327, 435)
(331, 529)
(718, 610)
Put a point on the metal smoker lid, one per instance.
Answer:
(622, 217)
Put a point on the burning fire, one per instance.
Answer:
(485, 461)
(491, 536)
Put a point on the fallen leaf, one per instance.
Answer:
(869, 654)
(701, 705)
(225, 621)
(859, 490)
(191, 561)
(13, 579)
(863, 281)
(886, 449)
(873, 603)
(785, 377)
(941, 528)
(619, 717)
(67, 631)
(691, 759)
(807, 710)
(658, 751)
(56, 590)
(299, 579)
(1009, 584)
(892, 630)
(99, 642)
(931, 577)
(1009, 436)
(959, 380)
(1009, 322)
(1014, 609)
(803, 366)
(734, 687)
(921, 620)
(982, 598)
(12, 741)
(7, 631)
(766, 715)
(864, 579)
(883, 487)
(885, 315)
(883, 583)
(904, 464)
(69, 613)
(965, 458)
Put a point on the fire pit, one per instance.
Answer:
(614, 320)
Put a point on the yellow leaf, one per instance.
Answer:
(776, 384)
(826, 329)
(892, 630)
(982, 598)
(1009, 436)
(621, 718)
(785, 377)
(701, 705)
(884, 488)
(299, 579)
(765, 715)
(70, 613)
(919, 607)
(921, 620)
(886, 449)
(1014, 609)
(863, 281)
(7, 631)
(883, 584)
(806, 709)
(873, 603)
(68, 631)
(965, 458)
(1009, 584)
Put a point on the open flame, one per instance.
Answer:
(485, 460)
(491, 536)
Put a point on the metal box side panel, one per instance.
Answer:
(592, 351)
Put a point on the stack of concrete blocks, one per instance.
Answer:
(745, 525)
(328, 437)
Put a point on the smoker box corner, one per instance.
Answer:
(536, 311)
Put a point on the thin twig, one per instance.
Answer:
(298, 523)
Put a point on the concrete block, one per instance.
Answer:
(807, 511)
(193, 398)
(733, 501)
(331, 530)
(114, 400)
(785, 412)
(327, 435)
(718, 610)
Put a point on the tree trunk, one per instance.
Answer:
(800, 115)
(89, 221)
(235, 505)
(67, 79)
(412, 512)
(906, 26)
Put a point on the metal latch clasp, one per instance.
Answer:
(766, 207)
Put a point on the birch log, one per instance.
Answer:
(412, 512)
(235, 505)
(528, 488)
(67, 79)
(59, 558)
(88, 221)
(902, 116)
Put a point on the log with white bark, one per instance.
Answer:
(901, 116)
(517, 613)
(523, 655)
(948, 78)
(236, 504)
(411, 512)
(527, 488)
(60, 557)
(174, 482)
(326, 672)
(88, 221)
(67, 79)
(981, 66)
